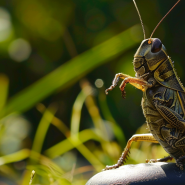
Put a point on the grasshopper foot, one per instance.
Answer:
(121, 160)
(151, 161)
(123, 94)
(111, 167)
(179, 162)
(110, 89)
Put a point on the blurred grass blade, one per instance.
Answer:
(32, 176)
(76, 112)
(45, 163)
(67, 144)
(15, 157)
(42, 129)
(73, 70)
(96, 117)
(76, 141)
(4, 82)
(59, 124)
(118, 132)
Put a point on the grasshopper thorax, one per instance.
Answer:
(150, 54)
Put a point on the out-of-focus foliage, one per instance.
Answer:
(56, 59)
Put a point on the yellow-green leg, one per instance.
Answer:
(136, 137)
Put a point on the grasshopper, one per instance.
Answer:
(163, 101)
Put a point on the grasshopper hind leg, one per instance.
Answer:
(120, 162)
(180, 161)
(125, 154)
(165, 159)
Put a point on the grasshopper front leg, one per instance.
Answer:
(139, 83)
(116, 80)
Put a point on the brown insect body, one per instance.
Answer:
(163, 101)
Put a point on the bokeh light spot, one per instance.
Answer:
(99, 83)
(5, 25)
(16, 129)
(19, 50)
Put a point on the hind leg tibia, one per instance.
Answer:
(165, 159)
(125, 154)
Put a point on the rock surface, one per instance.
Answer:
(141, 174)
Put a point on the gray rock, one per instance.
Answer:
(141, 174)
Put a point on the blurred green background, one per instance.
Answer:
(56, 60)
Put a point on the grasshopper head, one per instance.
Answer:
(150, 54)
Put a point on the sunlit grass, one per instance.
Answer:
(48, 172)
(99, 145)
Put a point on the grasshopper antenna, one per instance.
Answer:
(140, 19)
(162, 20)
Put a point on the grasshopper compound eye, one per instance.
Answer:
(156, 45)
